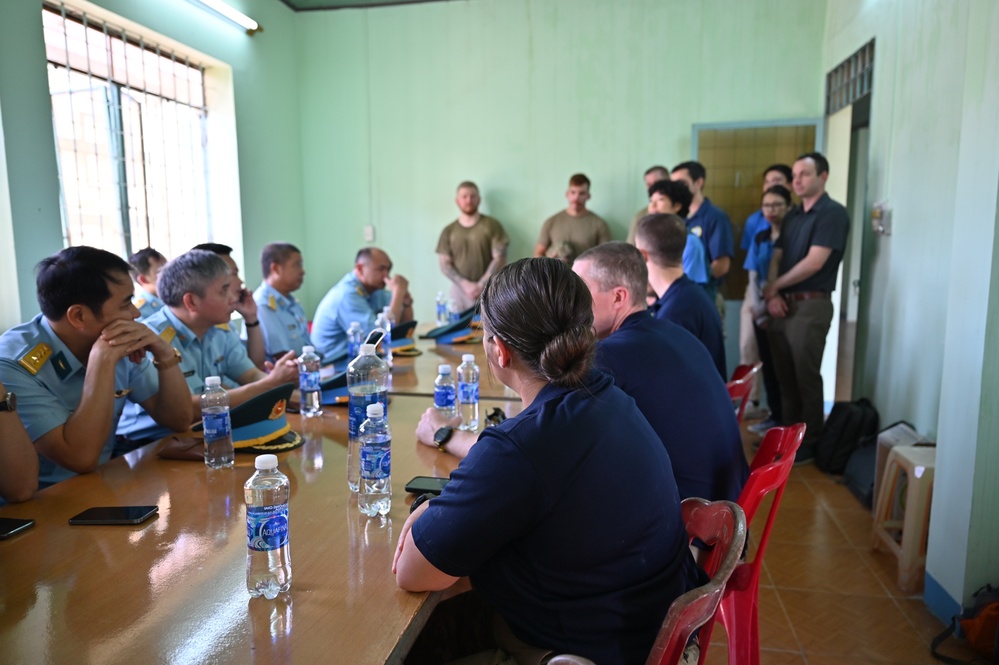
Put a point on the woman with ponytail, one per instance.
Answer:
(566, 517)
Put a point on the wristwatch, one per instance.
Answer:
(420, 500)
(442, 436)
(172, 362)
(9, 402)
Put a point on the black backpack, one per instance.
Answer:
(847, 424)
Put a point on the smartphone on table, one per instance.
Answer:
(114, 515)
(11, 526)
(426, 485)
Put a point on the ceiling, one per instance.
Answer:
(313, 5)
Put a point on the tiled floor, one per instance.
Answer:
(825, 597)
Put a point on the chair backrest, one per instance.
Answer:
(741, 385)
(768, 473)
(723, 525)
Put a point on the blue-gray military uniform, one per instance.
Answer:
(48, 380)
(147, 304)
(282, 320)
(220, 354)
(347, 301)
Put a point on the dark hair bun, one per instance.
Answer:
(567, 358)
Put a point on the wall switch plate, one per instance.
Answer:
(881, 218)
(369, 233)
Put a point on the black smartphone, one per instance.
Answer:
(115, 515)
(10, 526)
(426, 485)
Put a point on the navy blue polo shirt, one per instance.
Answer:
(689, 306)
(672, 379)
(567, 518)
(827, 224)
(713, 227)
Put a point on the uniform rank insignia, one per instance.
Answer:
(696, 231)
(168, 334)
(35, 358)
(272, 303)
(223, 326)
(139, 302)
(60, 364)
(118, 394)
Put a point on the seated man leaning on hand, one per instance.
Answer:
(74, 365)
(359, 296)
(200, 293)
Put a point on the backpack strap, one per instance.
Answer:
(940, 639)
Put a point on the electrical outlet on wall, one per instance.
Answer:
(881, 218)
(369, 233)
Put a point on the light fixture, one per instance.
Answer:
(223, 10)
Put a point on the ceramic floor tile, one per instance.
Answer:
(806, 525)
(767, 657)
(862, 629)
(775, 627)
(835, 495)
(885, 568)
(858, 526)
(822, 567)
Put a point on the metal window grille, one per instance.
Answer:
(129, 122)
(851, 79)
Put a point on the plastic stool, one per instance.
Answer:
(902, 516)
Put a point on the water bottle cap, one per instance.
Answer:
(443, 369)
(355, 324)
(213, 381)
(267, 461)
(367, 349)
(467, 358)
(308, 349)
(375, 410)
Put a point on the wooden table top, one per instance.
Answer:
(173, 589)
(415, 376)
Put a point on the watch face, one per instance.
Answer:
(10, 402)
(442, 435)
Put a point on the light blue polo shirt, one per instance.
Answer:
(694, 265)
(146, 303)
(220, 353)
(347, 301)
(48, 380)
(282, 320)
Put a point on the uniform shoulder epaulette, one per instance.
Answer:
(139, 302)
(34, 359)
(223, 326)
(272, 302)
(168, 334)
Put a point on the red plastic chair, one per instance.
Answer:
(741, 385)
(718, 523)
(739, 608)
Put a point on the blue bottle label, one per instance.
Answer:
(353, 349)
(376, 461)
(308, 381)
(468, 393)
(357, 409)
(217, 425)
(266, 527)
(444, 396)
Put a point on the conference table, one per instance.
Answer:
(172, 590)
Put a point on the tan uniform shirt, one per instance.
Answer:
(471, 249)
(566, 237)
(634, 224)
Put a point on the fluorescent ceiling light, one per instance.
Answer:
(230, 14)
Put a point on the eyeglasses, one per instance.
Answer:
(773, 206)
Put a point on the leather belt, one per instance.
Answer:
(795, 296)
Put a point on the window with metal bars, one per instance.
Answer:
(129, 121)
(851, 80)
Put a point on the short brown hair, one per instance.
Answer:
(467, 184)
(544, 313)
(664, 238)
(617, 263)
(578, 180)
(661, 170)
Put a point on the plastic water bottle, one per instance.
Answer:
(308, 382)
(375, 497)
(468, 393)
(384, 321)
(442, 313)
(445, 392)
(453, 313)
(268, 555)
(367, 383)
(219, 453)
(355, 337)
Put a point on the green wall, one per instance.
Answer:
(400, 104)
(927, 333)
